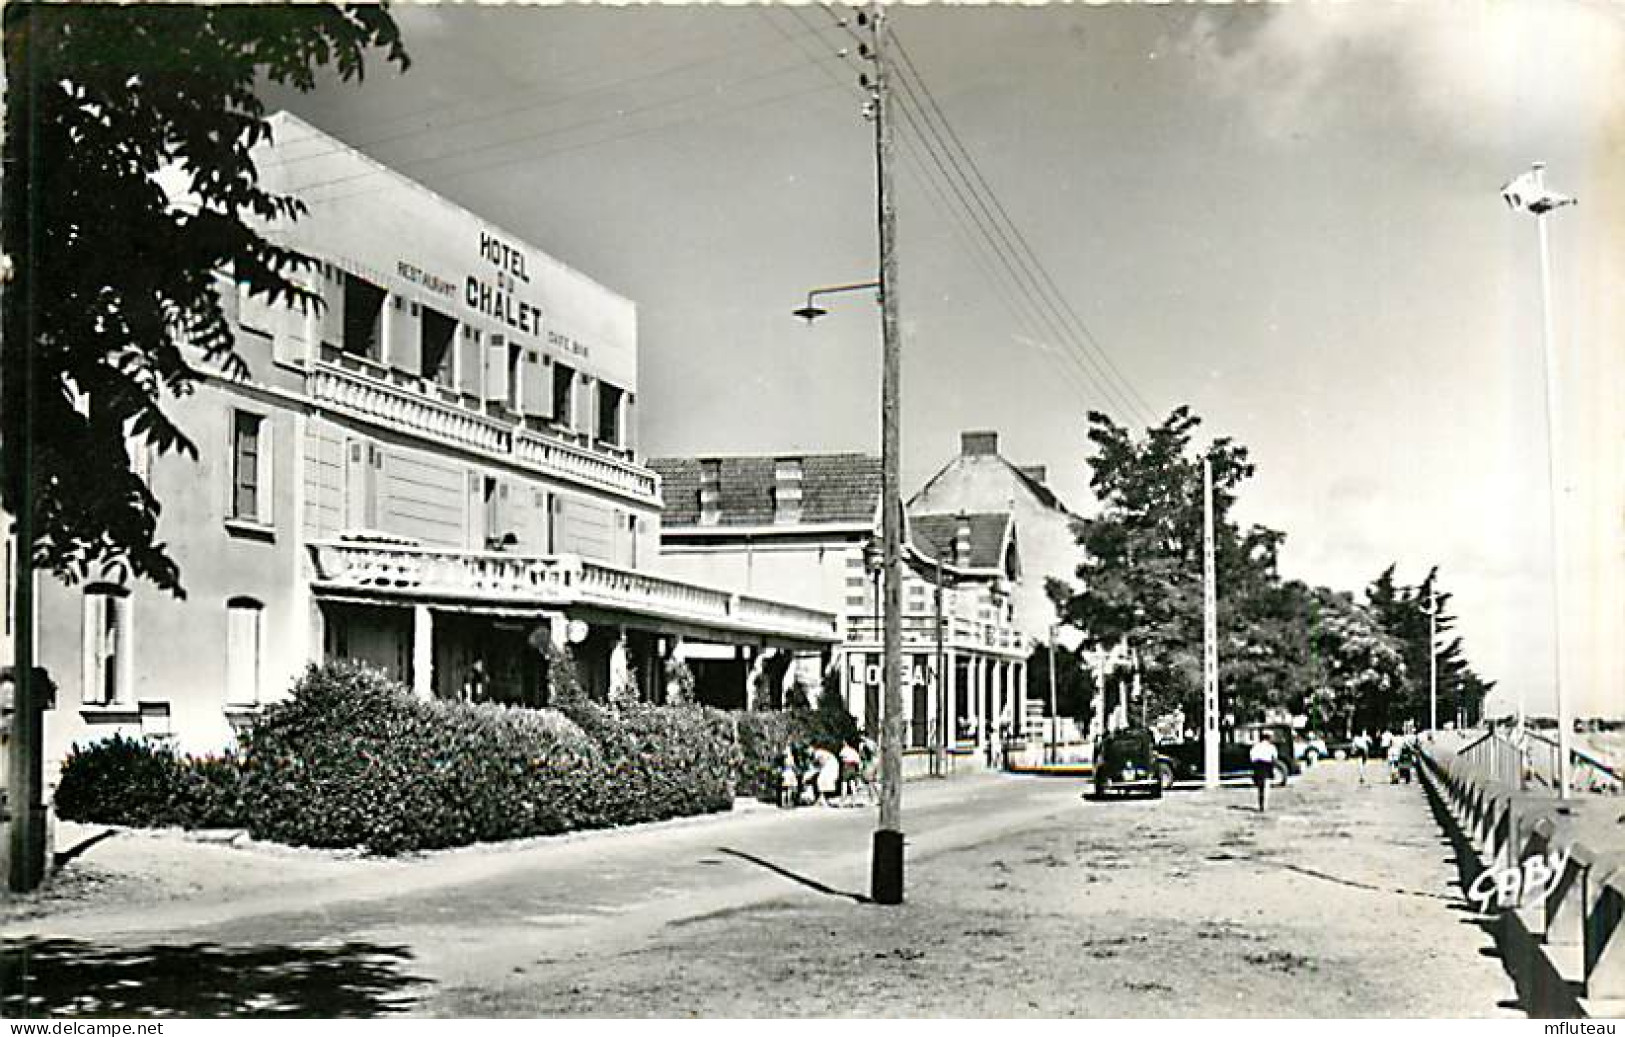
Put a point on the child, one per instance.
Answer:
(789, 779)
(851, 764)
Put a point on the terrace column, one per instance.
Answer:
(978, 684)
(1018, 673)
(620, 673)
(995, 695)
(422, 652)
(951, 700)
(753, 675)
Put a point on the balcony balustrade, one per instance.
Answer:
(434, 574)
(958, 632)
(428, 414)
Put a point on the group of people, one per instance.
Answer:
(1398, 750)
(818, 774)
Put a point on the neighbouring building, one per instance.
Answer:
(979, 479)
(803, 528)
(437, 473)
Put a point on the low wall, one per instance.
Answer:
(1566, 953)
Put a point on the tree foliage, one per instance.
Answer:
(113, 114)
(1283, 645)
(1403, 610)
(1142, 577)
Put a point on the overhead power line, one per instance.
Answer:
(1055, 297)
(997, 275)
(489, 113)
(585, 124)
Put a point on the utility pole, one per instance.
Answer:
(1529, 193)
(939, 753)
(1433, 658)
(886, 865)
(1139, 692)
(25, 783)
(1210, 637)
(1054, 711)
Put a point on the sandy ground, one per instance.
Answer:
(1336, 903)
(1024, 899)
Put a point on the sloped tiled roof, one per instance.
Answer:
(934, 535)
(1044, 495)
(834, 488)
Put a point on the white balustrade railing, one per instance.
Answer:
(612, 585)
(428, 572)
(958, 632)
(432, 573)
(559, 456)
(427, 414)
(418, 414)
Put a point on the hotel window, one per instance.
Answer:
(609, 413)
(250, 468)
(363, 317)
(437, 335)
(564, 390)
(106, 646)
(516, 356)
(244, 651)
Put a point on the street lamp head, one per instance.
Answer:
(874, 557)
(809, 312)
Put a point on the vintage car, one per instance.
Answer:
(1127, 761)
(1186, 763)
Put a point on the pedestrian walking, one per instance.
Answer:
(1362, 752)
(851, 765)
(1263, 756)
(829, 775)
(869, 771)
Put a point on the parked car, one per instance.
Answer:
(1312, 749)
(1187, 763)
(1127, 761)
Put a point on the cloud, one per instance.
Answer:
(1476, 71)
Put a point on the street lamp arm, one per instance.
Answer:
(810, 313)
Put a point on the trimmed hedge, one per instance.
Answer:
(352, 759)
(355, 760)
(763, 738)
(131, 782)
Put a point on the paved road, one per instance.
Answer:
(1024, 899)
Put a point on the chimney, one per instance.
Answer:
(787, 490)
(1036, 472)
(975, 444)
(962, 540)
(710, 492)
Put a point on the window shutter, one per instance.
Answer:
(115, 649)
(332, 311)
(263, 511)
(243, 654)
(538, 387)
(255, 311)
(93, 654)
(496, 369)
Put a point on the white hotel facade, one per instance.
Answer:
(438, 473)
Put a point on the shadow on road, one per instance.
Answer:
(63, 857)
(47, 977)
(858, 898)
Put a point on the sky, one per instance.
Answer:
(1284, 216)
